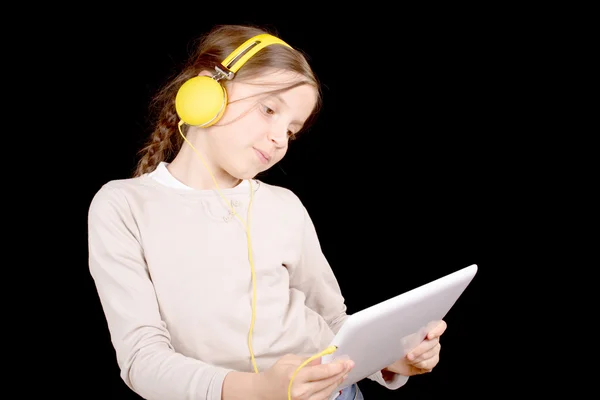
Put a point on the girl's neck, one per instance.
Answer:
(188, 168)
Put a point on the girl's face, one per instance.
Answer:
(254, 131)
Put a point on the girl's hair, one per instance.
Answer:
(212, 49)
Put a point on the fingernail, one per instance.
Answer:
(345, 377)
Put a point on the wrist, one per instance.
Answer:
(242, 386)
(260, 387)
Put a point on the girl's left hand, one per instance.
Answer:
(422, 359)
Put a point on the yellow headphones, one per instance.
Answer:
(201, 100)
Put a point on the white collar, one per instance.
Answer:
(162, 175)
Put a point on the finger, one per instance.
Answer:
(427, 354)
(323, 371)
(326, 392)
(418, 371)
(422, 348)
(326, 386)
(428, 364)
(438, 330)
(316, 361)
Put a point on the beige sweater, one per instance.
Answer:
(172, 273)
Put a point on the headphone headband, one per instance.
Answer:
(245, 51)
(201, 100)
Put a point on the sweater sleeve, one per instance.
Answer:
(148, 362)
(397, 381)
(314, 276)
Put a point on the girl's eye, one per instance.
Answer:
(268, 110)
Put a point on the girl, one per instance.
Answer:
(212, 282)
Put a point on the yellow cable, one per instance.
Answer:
(247, 228)
(246, 225)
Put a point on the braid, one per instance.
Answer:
(164, 143)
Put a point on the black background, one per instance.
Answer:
(423, 161)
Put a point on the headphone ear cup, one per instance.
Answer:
(201, 101)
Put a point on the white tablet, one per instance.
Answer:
(384, 333)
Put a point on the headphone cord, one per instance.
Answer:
(246, 225)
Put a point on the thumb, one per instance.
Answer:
(316, 361)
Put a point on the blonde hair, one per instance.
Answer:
(212, 48)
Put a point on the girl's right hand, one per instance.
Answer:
(314, 381)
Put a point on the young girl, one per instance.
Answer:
(212, 282)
